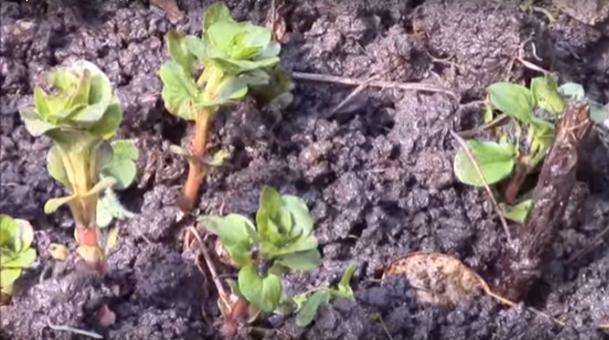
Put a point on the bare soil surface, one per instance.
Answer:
(377, 174)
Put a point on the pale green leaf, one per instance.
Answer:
(250, 284)
(236, 233)
(123, 171)
(55, 166)
(231, 89)
(216, 12)
(271, 293)
(545, 92)
(572, 91)
(35, 126)
(519, 212)
(22, 259)
(308, 311)
(111, 240)
(103, 184)
(512, 99)
(53, 204)
(181, 95)
(25, 234)
(176, 44)
(305, 261)
(107, 126)
(496, 162)
(344, 286)
(8, 276)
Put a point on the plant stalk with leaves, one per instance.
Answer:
(80, 116)
(16, 237)
(281, 241)
(234, 57)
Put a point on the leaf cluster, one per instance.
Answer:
(533, 113)
(16, 237)
(282, 240)
(235, 56)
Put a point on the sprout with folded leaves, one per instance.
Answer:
(80, 116)
(229, 60)
(281, 241)
(16, 254)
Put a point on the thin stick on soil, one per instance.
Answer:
(374, 83)
(210, 265)
(353, 93)
(75, 331)
(486, 186)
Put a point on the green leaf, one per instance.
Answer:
(53, 204)
(572, 91)
(109, 208)
(180, 93)
(599, 114)
(8, 276)
(222, 36)
(545, 92)
(236, 233)
(344, 286)
(123, 171)
(23, 259)
(9, 232)
(305, 261)
(216, 12)
(107, 126)
(303, 221)
(25, 234)
(176, 44)
(35, 126)
(263, 293)
(496, 162)
(55, 166)
(308, 312)
(512, 99)
(230, 90)
(519, 212)
(103, 184)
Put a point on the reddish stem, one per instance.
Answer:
(196, 170)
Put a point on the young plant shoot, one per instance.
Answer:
(80, 115)
(213, 70)
(16, 254)
(520, 146)
(282, 240)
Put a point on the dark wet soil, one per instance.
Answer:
(377, 173)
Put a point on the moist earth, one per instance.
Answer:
(376, 173)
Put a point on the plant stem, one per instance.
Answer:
(196, 170)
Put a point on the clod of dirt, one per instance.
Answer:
(437, 278)
(590, 12)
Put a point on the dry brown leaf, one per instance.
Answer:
(438, 278)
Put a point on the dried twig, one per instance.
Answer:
(373, 83)
(210, 265)
(486, 186)
(74, 330)
(353, 93)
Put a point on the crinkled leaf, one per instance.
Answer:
(53, 204)
(176, 44)
(496, 162)
(305, 261)
(122, 170)
(512, 99)
(572, 91)
(308, 311)
(180, 93)
(545, 92)
(519, 212)
(55, 166)
(222, 36)
(109, 208)
(216, 12)
(35, 126)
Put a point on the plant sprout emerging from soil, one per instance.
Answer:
(308, 303)
(16, 237)
(213, 70)
(80, 116)
(281, 241)
(520, 146)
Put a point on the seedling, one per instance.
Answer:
(281, 241)
(520, 147)
(80, 116)
(308, 303)
(213, 70)
(16, 254)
